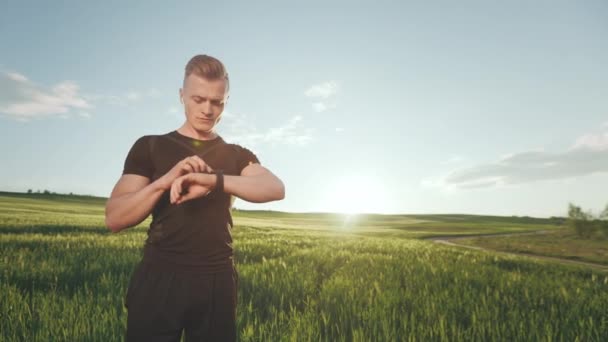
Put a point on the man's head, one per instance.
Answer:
(204, 92)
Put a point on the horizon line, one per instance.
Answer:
(52, 193)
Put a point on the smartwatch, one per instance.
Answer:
(219, 181)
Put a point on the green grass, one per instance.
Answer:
(562, 243)
(302, 277)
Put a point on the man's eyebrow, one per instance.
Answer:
(203, 97)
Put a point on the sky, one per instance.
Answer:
(429, 107)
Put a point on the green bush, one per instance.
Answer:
(585, 225)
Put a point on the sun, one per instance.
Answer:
(355, 194)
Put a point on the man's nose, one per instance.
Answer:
(206, 108)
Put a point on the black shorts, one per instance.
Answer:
(161, 302)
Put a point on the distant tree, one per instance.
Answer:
(46, 192)
(602, 227)
(576, 213)
(71, 194)
(603, 222)
(604, 213)
(583, 223)
(29, 191)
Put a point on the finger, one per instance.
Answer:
(176, 194)
(175, 190)
(173, 193)
(187, 161)
(191, 167)
(208, 168)
(178, 187)
(184, 181)
(204, 166)
(188, 167)
(200, 163)
(194, 161)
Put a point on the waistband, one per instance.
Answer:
(155, 258)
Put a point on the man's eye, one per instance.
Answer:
(214, 102)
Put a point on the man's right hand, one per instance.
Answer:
(187, 165)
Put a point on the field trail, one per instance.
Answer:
(450, 241)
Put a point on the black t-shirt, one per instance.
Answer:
(194, 235)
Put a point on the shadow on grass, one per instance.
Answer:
(72, 281)
(95, 270)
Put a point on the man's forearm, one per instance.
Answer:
(130, 209)
(257, 189)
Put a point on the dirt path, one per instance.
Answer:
(449, 240)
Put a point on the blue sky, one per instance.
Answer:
(478, 107)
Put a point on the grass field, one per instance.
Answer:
(562, 243)
(302, 277)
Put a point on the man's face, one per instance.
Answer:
(204, 101)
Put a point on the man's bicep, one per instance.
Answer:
(129, 183)
(254, 169)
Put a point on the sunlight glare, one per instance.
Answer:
(355, 194)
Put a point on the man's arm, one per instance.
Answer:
(255, 184)
(134, 197)
(131, 201)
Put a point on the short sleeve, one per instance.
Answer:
(245, 158)
(138, 159)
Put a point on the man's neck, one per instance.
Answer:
(192, 133)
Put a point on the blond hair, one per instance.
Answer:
(207, 67)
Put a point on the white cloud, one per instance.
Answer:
(322, 106)
(108, 99)
(324, 92)
(588, 155)
(133, 95)
(239, 129)
(16, 77)
(597, 142)
(138, 95)
(24, 100)
(319, 107)
(287, 133)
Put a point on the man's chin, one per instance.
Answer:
(204, 129)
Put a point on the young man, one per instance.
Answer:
(187, 279)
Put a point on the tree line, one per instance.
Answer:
(46, 192)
